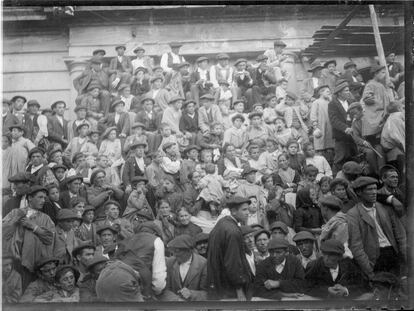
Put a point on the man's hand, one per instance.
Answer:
(270, 284)
(128, 189)
(240, 295)
(348, 131)
(341, 291)
(27, 223)
(185, 293)
(366, 144)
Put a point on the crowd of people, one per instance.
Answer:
(184, 182)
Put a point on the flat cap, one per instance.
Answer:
(174, 99)
(35, 189)
(222, 56)
(240, 60)
(182, 241)
(58, 102)
(261, 58)
(157, 77)
(121, 46)
(375, 68)
(33, 102)
(140, 68)
(17, 126)
(207, 97)
(106, 227)
(247, 229)
(279, 43)
(36, 150)
(45, 260)
(255, 114)
(187, 102)
(99, 51)
(175, 44)
(145, 98)
(83, 125)
(320, 88)
(355, 105)
(258, 105)
(201, 237)
(333, 246)
(95, 260)
(191, 147)
(331, 61)
(22, 177)
(80, 107)
(276, 243)
(270, 96)
(385, 168)
(248, 170)
(72, 178)
(77, 156)
(340, 86)
(315, 65)
(363, 181)
(202, 59)
(349, 64)
(139, 48)
(96, 60)
(14, 98)
(237, 101)
(65, 214)
(108, 131)
(82, 246)
(137, 179)
(279, 225)
(259, 232)
(291, 95)
(137, 144)
(236, 200)
(238, 116)
(351, 167)
(303, 235)
(117, 102)
(332, 202)
(167, 146)
(88, 208)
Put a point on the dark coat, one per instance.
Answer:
(50, 209)
(191, 230)
(123, 126)
(195, 280)
(56, 131)
(151, 125)
(87, 289)
(319, 278)
(188, 124)
(363, 237)
(11, 204)
(227, 266)
(339, 122)
(9, 120)
(81, 83)
(31, 126)
(131, 169)
(292, 278)
(383, 194)
(126, 64)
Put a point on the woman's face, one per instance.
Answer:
(293, 149)
(283, 163)
(184, 217)
(269, 183)
(54, 194)
(340, 192)
(112, 135)
(310, 151)
(80, 208)
(67, 281)
(165, 209)
(57, 157)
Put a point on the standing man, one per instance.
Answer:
(377, 238)
(395, 69)
(173, 57)
(9, 119)
(354, 79)
(18, 102)
(57, 125)
(228, 271)
(30, 120)
(345, 146)
(200, 80)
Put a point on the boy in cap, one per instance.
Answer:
(112, 211)
(65, 239)
(200, 80)
(201, 244)
(140, 85)
(122, 65)
(277, 59)
(242, 79)
(280, 273)
(11, 280)
(92, 102)
(189, 121)
(18, 103)
(19, 151)
(42, 173)
(30, 119)
(331, 276)
(82, 254)
(305, 242)
(138, 135)
(87, 230)
(137, 201)
(118, 118)
(81, 112)
(188, 165)
(168, 59)
(158, 93)
(21, 184)
(391, 193)
(261, 241)
(57, 125)
(134, 165)
(377, 238)
(186, 272)
(80, 143)
(153, 171)
(150, 119)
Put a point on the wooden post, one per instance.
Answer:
(378, 42)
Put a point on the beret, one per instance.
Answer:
(22, 177)
(222, 56)
(201, 237)
(36, 150)
(174, 99)
(106, 227)
(255, 114)
(261, 57)
(275, 243)
(207, 96)
(45, 260)
(315, 65)
(279, 225)
(77, 156)
(291, 95)
(202, 59)
(376, 68)
(33, 102)
(98, 51)
(138, 179)
(333, 246)
(260, 232)
(182, 241)
(331, 61)
(247, 229)
(17, 97)
(354, 106)
(238, 116)
(303, 235)
(363, 181)
(349, 64)
(65, 214)
(117, 102)
(80, 107)
(156, 77)
(72, 178)
(167, 146)
(17, 126)
(191, 147)
(187, 102)
(248, 170)
(58, 102)
(95, 260)
(279, 43)
(351, 167)
(240, 60)
(139, 48)
(236, 200)
(96, 60)
(35, 189)
(121, 46)
(340, 86)
(80, 247)
(175, 44)
(332, 202)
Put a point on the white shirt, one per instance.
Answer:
(169, 166)
(382, 238)
(155, 93)
(164, 61)
(60, 119)
(184, 267)
(334, 273)
(120, 59)
(315, 82)
(280, 267)
(141, 164)
(344, 104)
(117, 116)
(23, 202)
(203, 73)
(159, 268)
(250, 260)
(34, 169)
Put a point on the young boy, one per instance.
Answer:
(154, 171)
(281, 90)
(224, 95)
(92, 102)
(269, 157)
(118, 118)
(188, 165)
(236, 135)
(213, 139)
(238, 108)
(189, 121)
(211, 185)
(167, 137)
(151, 120)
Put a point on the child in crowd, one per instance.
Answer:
(211, 184)
(224, 94)
(238, 108)
(137, 136)
(11, 280)
(286, 176)
(92, 102)
(324, 186)
(296, 159)
(111, 174)
(111, 147)
(324, 169)
(168, 137)
(281, 90)
(87, 230)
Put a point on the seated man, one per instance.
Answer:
(391, 193)
(122, 225)
(200, 79)
(122, 66)
(87, 286)
(208, 113)
(261, 240)
(305, 241)
(65, 240)
(186, 272)
(45, 271)
(280, 273)
(108, 236)
(81, 256)
(330, 276)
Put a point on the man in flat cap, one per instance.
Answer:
(65, 240)
(222, 71)
(354, 79)
(172, 57)
(28, 233)
(280, 273)
(309, 85)
(376, 98)
(112, 218)
(228, 271)
(30, 119)
(118, 117)
(122, 65)
(345, 147)
(377, 238)
(177, 81)
(279, 60)
(57, 125)
(263, 79)
(134, 165)
(81, 255)
(22, 182)
(18, 103)
(87, 286)
(142, 60)
(330, 74)
(208, 113)
(200, 79)
(42, 173)
(395, 69)
(158, 93)
(331, 276)
(186, 272)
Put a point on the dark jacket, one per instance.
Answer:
(124, 66)
(31, 126)
(227, 266)
(81, 83)
(9, 120)
(188, 124)
(191, 230)
(56, 131)
(339, 122)
(123, 126)
(319, 278)
(131, 169)
(151, 125)
(292, 278)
